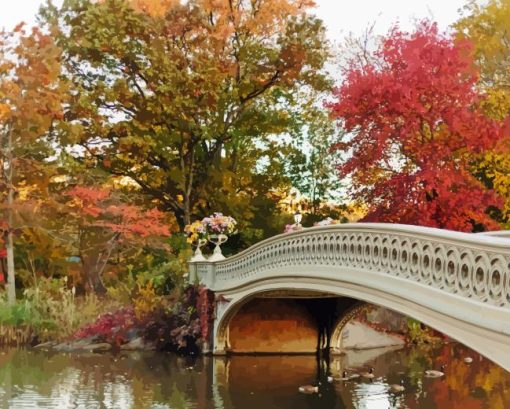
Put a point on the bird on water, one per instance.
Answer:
(431, 373)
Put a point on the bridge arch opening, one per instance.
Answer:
(273, 325)
(294, 323)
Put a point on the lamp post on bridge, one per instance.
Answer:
(297, 219)
(293, 205)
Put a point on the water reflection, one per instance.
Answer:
(152, 380)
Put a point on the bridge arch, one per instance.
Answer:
(348, 315)
(457, 283)
(287, 304)
(485, 342)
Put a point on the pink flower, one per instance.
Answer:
(288, 228)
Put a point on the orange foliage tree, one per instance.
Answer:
(31, 95)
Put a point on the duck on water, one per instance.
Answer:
(431, 373)
(345, 377)
(309, 389)
(396, 388)
(369, 374)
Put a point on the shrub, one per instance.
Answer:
(420, 334)
(49, 310)
(146, 300)
(184, 327)
(58, 308)
(110, 327)
(20, 323)
(179, 327)
(170, 331)
(165, 271)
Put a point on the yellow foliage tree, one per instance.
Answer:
(487, 27)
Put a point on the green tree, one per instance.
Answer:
(190, 100)
(312, 165)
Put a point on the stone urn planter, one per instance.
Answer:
(198, 256)
(218, 240)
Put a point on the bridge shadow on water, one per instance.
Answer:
(272, 381)
(262, 380)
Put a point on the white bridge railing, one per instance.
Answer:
(472, 266)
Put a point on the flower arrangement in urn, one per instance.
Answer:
(327, 222)
(219, 227)
(220, 224)
(197, 234)
(216, 229)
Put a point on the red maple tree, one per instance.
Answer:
(413, 128)
(100, 209)
(101, 223)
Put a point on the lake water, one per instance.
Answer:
(35, 379)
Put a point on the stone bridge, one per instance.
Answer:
(456, 283)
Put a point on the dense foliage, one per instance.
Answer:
(181, 327)
(414, 123)
(187, 101)
(487, 28)
(123, 121)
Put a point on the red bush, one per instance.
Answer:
(110, 327)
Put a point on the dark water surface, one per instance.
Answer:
(30, 379)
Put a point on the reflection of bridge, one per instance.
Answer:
(457, 283)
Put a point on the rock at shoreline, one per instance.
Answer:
(46, 346)
(138, 344)
(86, 344)
(92, 344)
(101, 347)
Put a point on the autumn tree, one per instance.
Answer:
(188, 98)
(413, 123)
(101, 225)
(486, 26)
(30, 102)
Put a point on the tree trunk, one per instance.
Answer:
(91, 276)
(187, 210)
(11, 286)
(96, 282)
(180, 218)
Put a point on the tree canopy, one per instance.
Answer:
(413, 122)
(186, 98)
(31, 98)
(122, 121)
(487, 28)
